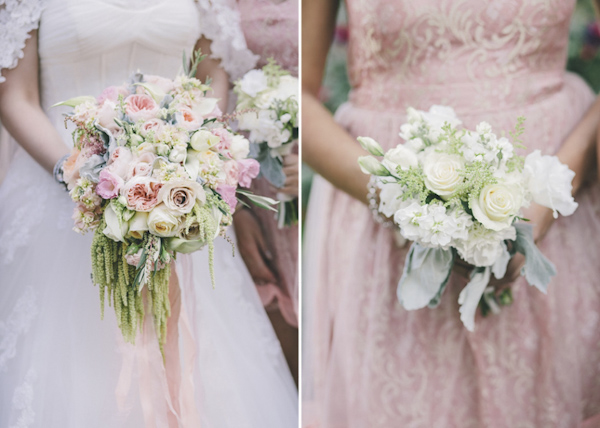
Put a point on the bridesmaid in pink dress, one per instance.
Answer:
(372, 363)
(271, 31)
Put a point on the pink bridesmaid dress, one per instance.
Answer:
(271, 31)
(376, 365)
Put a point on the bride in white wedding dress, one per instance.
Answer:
(60, 365)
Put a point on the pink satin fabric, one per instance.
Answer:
(271, 31)
(166, 386)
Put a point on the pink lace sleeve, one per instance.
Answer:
(220, 22)
(17, 19)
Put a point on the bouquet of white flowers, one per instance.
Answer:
(267, 107)
(456, 192)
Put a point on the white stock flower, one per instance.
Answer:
(442, 173)
(497, 205)
(549, 182)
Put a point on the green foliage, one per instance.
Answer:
(414, 181)
(518, 132)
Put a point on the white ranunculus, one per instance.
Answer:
(162, 222)
(400, 156)
(253, 82)
(115, 229)
(203, 140)
(497, 205)
(442, 173)
(138, 225)
(288, 87)
(484, 247)
(549, 182)
(240, 147)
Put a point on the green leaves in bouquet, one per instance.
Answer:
(538, 270)
(259, 201)
(190, 69)
(270, 167)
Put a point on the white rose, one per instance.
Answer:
(162, 222)
(115, 229)
(549, 182)
(138, 225)
(240, 147)
(203, 140)
(442, 173)
(400, 156)
(497, 205)
(180, 196)
(253, 82)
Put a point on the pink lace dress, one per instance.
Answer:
(376, 365)
(271, 31)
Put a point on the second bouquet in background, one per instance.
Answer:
(458, 192)
(267, 108)
(154, 172)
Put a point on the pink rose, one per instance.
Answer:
(112, 94)
(142, 166)
(119, 161)
(228, 195)
(141, 107)
(232, 173)
(249, 169)
(188, 119)
(154, 125)
(109, 184)
(166, 85)
(141, 193)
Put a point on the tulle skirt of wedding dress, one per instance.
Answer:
(60, 364)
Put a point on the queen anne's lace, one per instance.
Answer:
(221, 24)
(17, 19)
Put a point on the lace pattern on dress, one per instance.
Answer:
(220, 22)
(17, 19)
(17, 323)
(23, 401)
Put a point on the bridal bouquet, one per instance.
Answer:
(153, 173)
(458, 192)
(267, 108)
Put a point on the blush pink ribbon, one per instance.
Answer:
(166, 387)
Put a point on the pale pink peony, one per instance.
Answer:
(141, 107)
(232, 173)
(141, 193)
(248, 170)
(120, 161)
(188, 119)
(155, 125)
(142, 165)
(112, 94)
(109, 184)
(228, 195)
(166, 85)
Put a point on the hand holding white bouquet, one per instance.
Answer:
(459, 192)
(267, 107)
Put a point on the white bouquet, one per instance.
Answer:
(267, 107)
(456, 192)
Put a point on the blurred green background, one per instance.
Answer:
(584, 59)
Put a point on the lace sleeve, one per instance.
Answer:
(220, 22)
(17, 19)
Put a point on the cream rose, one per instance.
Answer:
(180, 196)
(400, 157)
(496, 206)
(162, 222)
(138, 225)
(442, 173)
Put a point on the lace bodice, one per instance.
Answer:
(504, 53)
(271, 30)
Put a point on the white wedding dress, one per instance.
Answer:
(60, 365)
